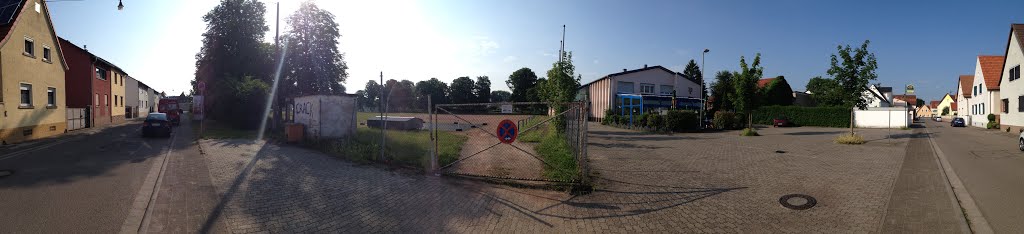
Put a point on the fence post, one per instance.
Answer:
(433, 137)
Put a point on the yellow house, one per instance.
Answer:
(117, 92)
(947, 101)
(31, 73)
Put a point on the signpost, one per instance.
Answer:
(507, 131)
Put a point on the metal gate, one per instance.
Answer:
(511, 142)
(77, 118)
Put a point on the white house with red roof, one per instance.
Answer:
(1012, 115)
(985, 89)
(963, 96)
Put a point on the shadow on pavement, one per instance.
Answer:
(812, 133)
(81, 157)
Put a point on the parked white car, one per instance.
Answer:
(938, 119)
(1020, 141)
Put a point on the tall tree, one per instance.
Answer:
(745, 83)
(722, 91)
(692, 72)
(560, 87)
(777, 93)
(232, 55)
(920, 103)
(825, 92)
(313, 63)
(398, 95)
(361, 101)
(462, 90)
(854, 69)
(523, 82)
(482, 90)
(500, 96)
(373, 91)
(436, 89)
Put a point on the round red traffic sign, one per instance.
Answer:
(507, 131)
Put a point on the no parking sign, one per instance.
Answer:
(507, 131)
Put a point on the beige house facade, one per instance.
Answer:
(31, 75)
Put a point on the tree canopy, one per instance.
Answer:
(825, 92)
(436, 89)
(482, 89)
(692, 72)
(462, 90)
(745, 83)
(500, 96)
(722, 91)
(523, 82)
(853, 70)
(313, 64)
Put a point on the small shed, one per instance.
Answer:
(326, 116)
(395, 122)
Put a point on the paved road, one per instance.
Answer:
(78, 184)
(991, 168)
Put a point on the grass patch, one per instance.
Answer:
(848, 139)
(408, 148)
(749, 132)
(534, 135)
(213, 130)
(556, 152)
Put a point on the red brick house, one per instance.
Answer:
(88, 80)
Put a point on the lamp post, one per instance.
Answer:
(702, 101)
(120, 5)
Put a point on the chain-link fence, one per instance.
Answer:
(513, 142)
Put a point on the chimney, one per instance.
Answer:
(623, 70)
(645, 65)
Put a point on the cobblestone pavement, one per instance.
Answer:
(708, 182)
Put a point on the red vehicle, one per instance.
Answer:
(170, 107)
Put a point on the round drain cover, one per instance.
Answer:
(798, 201)
(5, 173)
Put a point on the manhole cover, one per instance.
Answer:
(5, 173)
(797, 201)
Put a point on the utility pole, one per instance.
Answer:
(561, 49)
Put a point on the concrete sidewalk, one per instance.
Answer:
(921, 198)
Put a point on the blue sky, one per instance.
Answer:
(925, 43)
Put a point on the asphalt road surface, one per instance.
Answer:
(79, 183)
(991, 168)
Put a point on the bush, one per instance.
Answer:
(656, 121)
(837, 117)
(749, 132)
(991, 117)
(848, 139)
(992, 125)
(727, 120)
(641, 121)
(678, 121)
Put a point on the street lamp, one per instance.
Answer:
(702, 101)
(120, 5)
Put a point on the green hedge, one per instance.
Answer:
(837, 117)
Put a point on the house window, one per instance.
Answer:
(667, 89)
(30, 47)
(51, 97)
(1015, 73)
(26, 95)
(1005, 107)
(1020, 103)
(646, 88)
(97, 100)
(625, 87)
(46, 53)
(980, 89)
(982, 109)
(101, 73)
(106, 101)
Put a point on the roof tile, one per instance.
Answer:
(992, 69)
